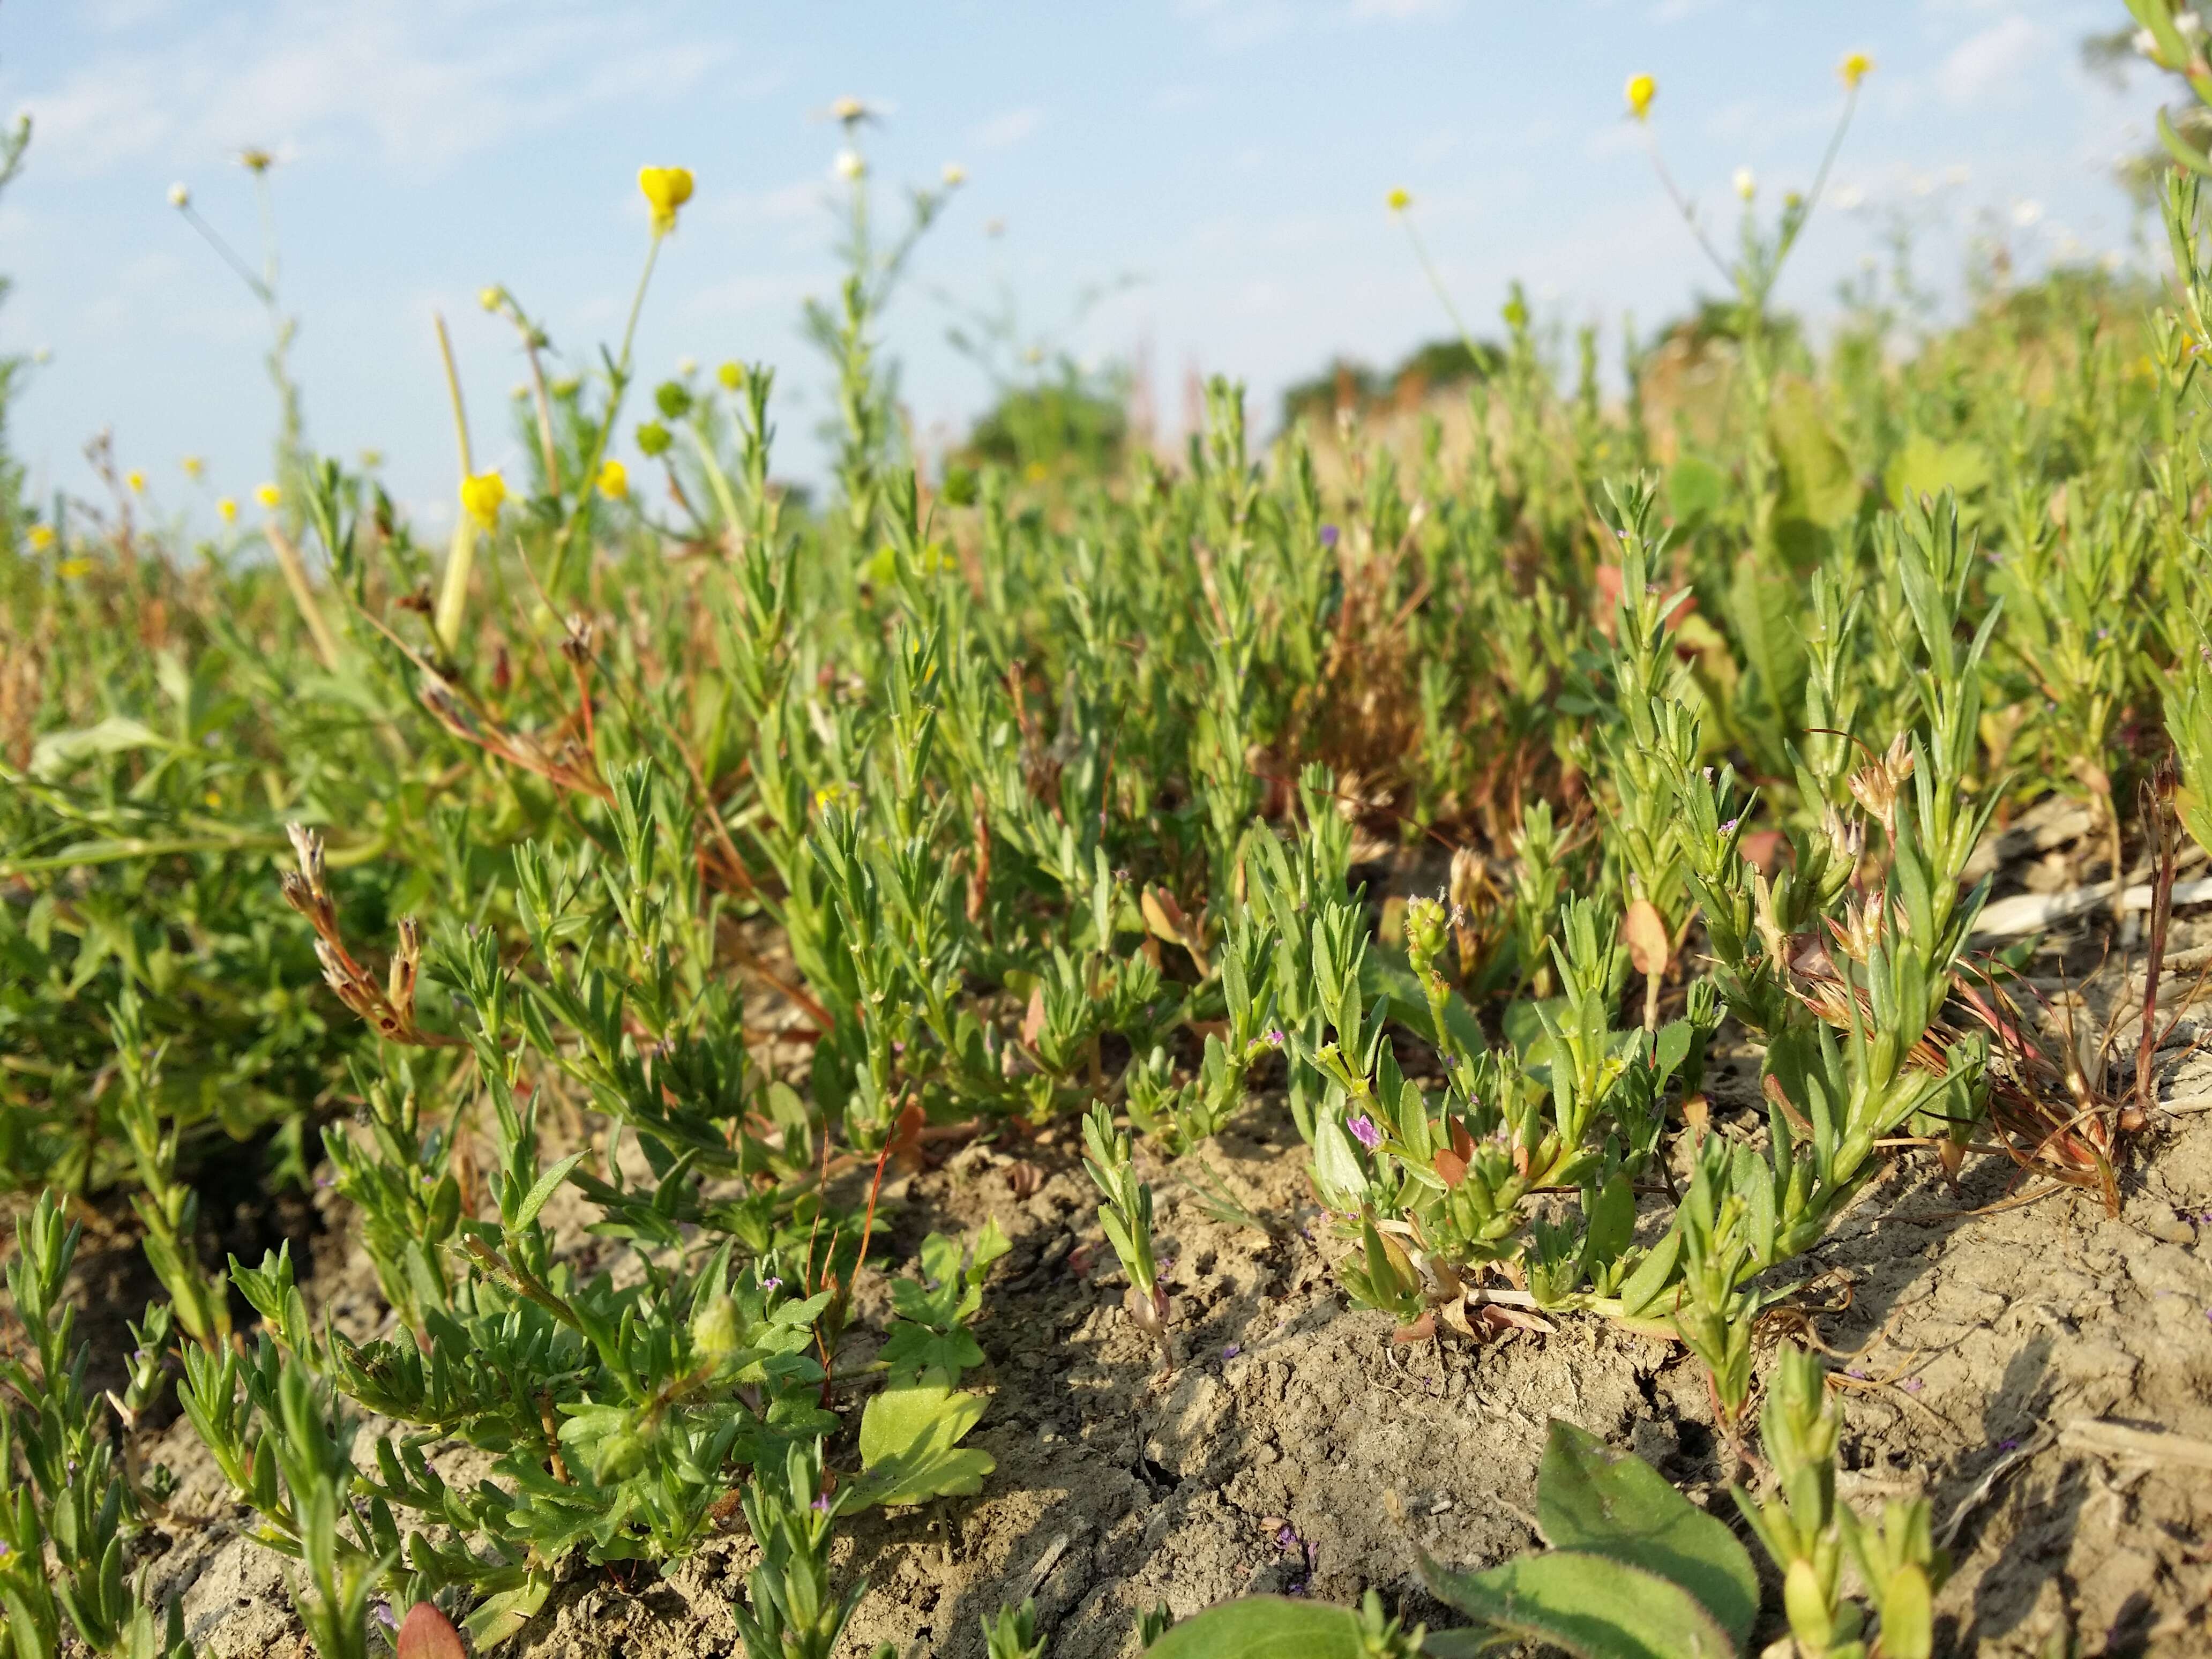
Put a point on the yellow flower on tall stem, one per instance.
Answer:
(268, 494)
(614, 479)
(482, 496)
(1642, 90)
(226, 510)
(1854, 69)
(666, 189)
(1399, 199)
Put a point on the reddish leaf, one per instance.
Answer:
(426, 1633)
(1643, 930)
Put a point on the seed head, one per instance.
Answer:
(179, 196)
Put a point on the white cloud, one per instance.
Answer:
(1010, 128)
(1990, 60)
(1400, 11)
(430, 86)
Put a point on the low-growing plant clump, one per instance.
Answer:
(1582, 827)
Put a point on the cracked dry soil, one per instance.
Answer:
(1259, 1456)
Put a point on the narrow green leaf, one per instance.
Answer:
(548, 1184)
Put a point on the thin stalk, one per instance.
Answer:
(453, 596)
(618, 386)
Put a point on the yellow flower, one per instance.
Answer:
(614, 479)
(732, 376)
(73, 567)
(490, 298)
(255, 160)
(268, 494)
(666, 189)
(193, 466)
(226, 510)
(481, 496)
(1641, 88)
(1854, 69)
(42, 537)
(1399, 199)
(136, 480)
(955, 175)
(179, 196)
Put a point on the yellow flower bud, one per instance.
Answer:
(1641, 88)
(1399, 199)
(666, 189)
(955, 175)
(268, 494)
(732, 376)
(179, 196)
(228, 510)
(193, 466)
(1854, 68)
(136, 480)
(490, 298)
(614, 479)
(42, 537)
(482, 496)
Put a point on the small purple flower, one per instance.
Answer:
(771, 1283)
(1364, 1130)
(2007, 1445)
(137, 1356)
(383, 1614)
(1856, 1371)
(1273, 1038)
(1286, 1539)
(1910, 1385)
(1329, 535)
(821, 1504)
(6, 1549)
(1232, 1351)
(1729, 828)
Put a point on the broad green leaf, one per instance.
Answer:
(910, 1436)
(1925, 467)
(1818, 484)
(1765, 607)
(1595, 1607)
(1591, 1497)
(1264, 1627)
(1695, 489)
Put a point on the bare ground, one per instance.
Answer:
(1999, 1352)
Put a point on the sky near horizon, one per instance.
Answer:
(1231, 157)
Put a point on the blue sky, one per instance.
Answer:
(1231, 155)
